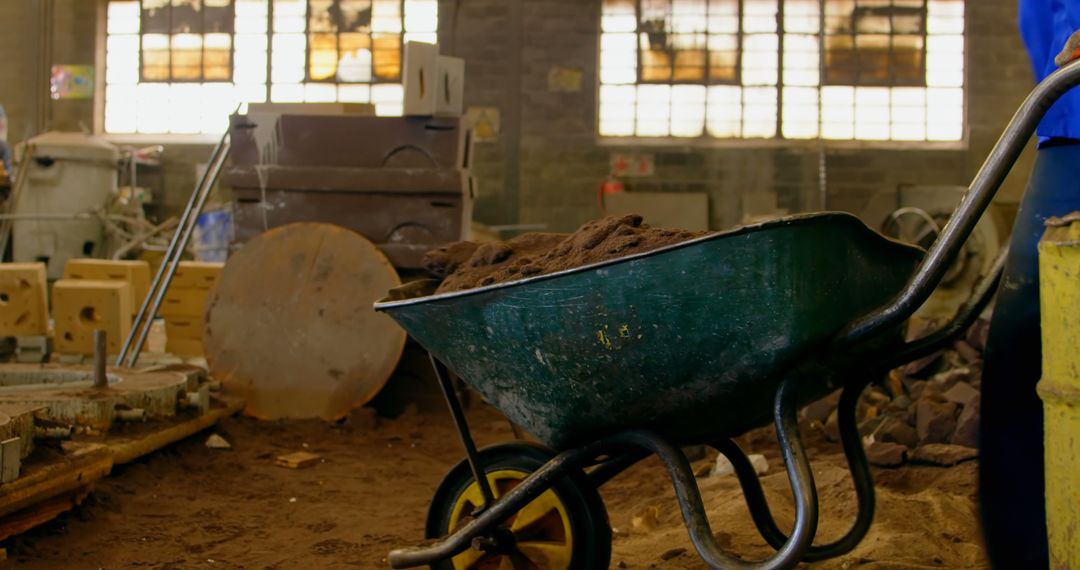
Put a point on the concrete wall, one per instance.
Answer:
(547, 163)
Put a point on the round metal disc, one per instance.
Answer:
(290, 324)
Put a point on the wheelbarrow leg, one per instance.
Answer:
(454, 403)
(791, 551)
(861, 476)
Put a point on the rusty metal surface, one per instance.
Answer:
(401, 182)
(349, 141)
(405, 212)
(290, 325)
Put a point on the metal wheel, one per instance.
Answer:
(566, 527)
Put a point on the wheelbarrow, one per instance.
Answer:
(692, 343)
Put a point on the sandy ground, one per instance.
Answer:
(188, 506)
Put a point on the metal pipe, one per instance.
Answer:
(138, 326)
(101, 380)
(184, 234)
(861, 477)
(967, 214)
(456, 412)
(984, 290)
(800, 477)
(611, 468)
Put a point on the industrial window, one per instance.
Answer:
(890, 70)
(186, 40)
(181, 66)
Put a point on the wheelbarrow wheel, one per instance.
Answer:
(566, 527)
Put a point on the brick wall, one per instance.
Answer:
(547, 163)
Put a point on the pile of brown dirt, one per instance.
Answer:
(466, 265)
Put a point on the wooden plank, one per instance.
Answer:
(297, 460)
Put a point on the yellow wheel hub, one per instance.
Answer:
(543, 538)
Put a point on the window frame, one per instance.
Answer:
(337, 39)
(137, 138)
(202, 48)
(819, 144)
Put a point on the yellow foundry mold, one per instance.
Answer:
(1059, 283)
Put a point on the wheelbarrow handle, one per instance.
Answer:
(975, 201)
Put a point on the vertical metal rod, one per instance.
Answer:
(185, 236)
(452, 401)
(100, 378)
(170, 251)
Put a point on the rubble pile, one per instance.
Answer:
(925, 412)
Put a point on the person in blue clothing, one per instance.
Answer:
(1011, 471)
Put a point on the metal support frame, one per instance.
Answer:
(140, 328)
(462, 424)
(625, 449)
(861, 476)
(965, 316)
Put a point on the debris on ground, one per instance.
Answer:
(886, 454)
(930, 406)
(646, 519)
(943, 454)
(723, 467)
(215, 441)
(297, 460)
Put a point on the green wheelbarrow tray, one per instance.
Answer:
(690, 340)
(699, 341)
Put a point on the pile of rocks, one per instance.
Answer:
(924, 412)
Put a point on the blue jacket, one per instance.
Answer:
(1045, 25)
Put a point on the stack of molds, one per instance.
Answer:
(403, 183)
(81, 306)
(135, 273)
(24, 309)
(185, 304)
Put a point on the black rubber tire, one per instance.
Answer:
(584, 507)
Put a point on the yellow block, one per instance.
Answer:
(184, 346)
(196, 274)
(1059, 292)
(24, 306)
(137, 273)
(189, 328)
(82, 306)
(183, 303)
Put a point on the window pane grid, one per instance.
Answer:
(169, 73)
(888, 70)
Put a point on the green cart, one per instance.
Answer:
(697, 342)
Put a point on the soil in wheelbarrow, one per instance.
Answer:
(189, 506)
(466, 265)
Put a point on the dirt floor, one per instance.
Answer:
(190, 506)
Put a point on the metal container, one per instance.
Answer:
(1059, 288)
(690, 340)
(68, 174)
(402, 182)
